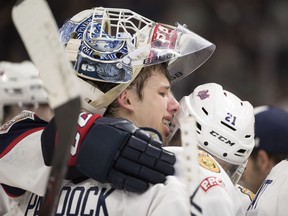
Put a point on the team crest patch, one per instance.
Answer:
(207, 162)
(203, 94)
(25, 114)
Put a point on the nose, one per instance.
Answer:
(173, 105)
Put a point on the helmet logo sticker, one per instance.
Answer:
(221, 138)
(101, 56)
(203, 94)
(162, 39)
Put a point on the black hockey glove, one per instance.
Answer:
(116, 151)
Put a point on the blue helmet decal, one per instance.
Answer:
(114, 72)
(100, 55)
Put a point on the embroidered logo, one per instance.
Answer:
(21, 116)
(203, 94)
(207, 162)
(210, 182)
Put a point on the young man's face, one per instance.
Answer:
(258, 167)
(157, 107)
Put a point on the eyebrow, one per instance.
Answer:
(168, 87)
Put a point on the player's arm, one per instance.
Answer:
(113, 150)
(127, 157)
(21, 162)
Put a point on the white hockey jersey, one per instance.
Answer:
(22, 166)
(272, 197)
(215, 194)
(5, 202)
(93, 198)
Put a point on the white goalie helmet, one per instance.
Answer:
(112, 45)
(225, 123)
(20, 84)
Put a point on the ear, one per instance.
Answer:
(264, 161)
(124, 100)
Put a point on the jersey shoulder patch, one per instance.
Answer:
(246, 192)
(25, 114)
(208, 162)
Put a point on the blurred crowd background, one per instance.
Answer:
(251, 38)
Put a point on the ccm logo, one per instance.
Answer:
(221, 138)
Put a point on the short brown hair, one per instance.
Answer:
(138, 83)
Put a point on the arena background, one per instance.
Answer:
(251, 58)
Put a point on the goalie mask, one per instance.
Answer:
(112, 45)
(20, 84)
(225, 125)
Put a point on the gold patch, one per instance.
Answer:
(207, 162)
(247, 192)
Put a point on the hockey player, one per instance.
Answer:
(225, 135)
(21, 88)
(271, 145)
(122, 70)
(271, 137)
(271, 198)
